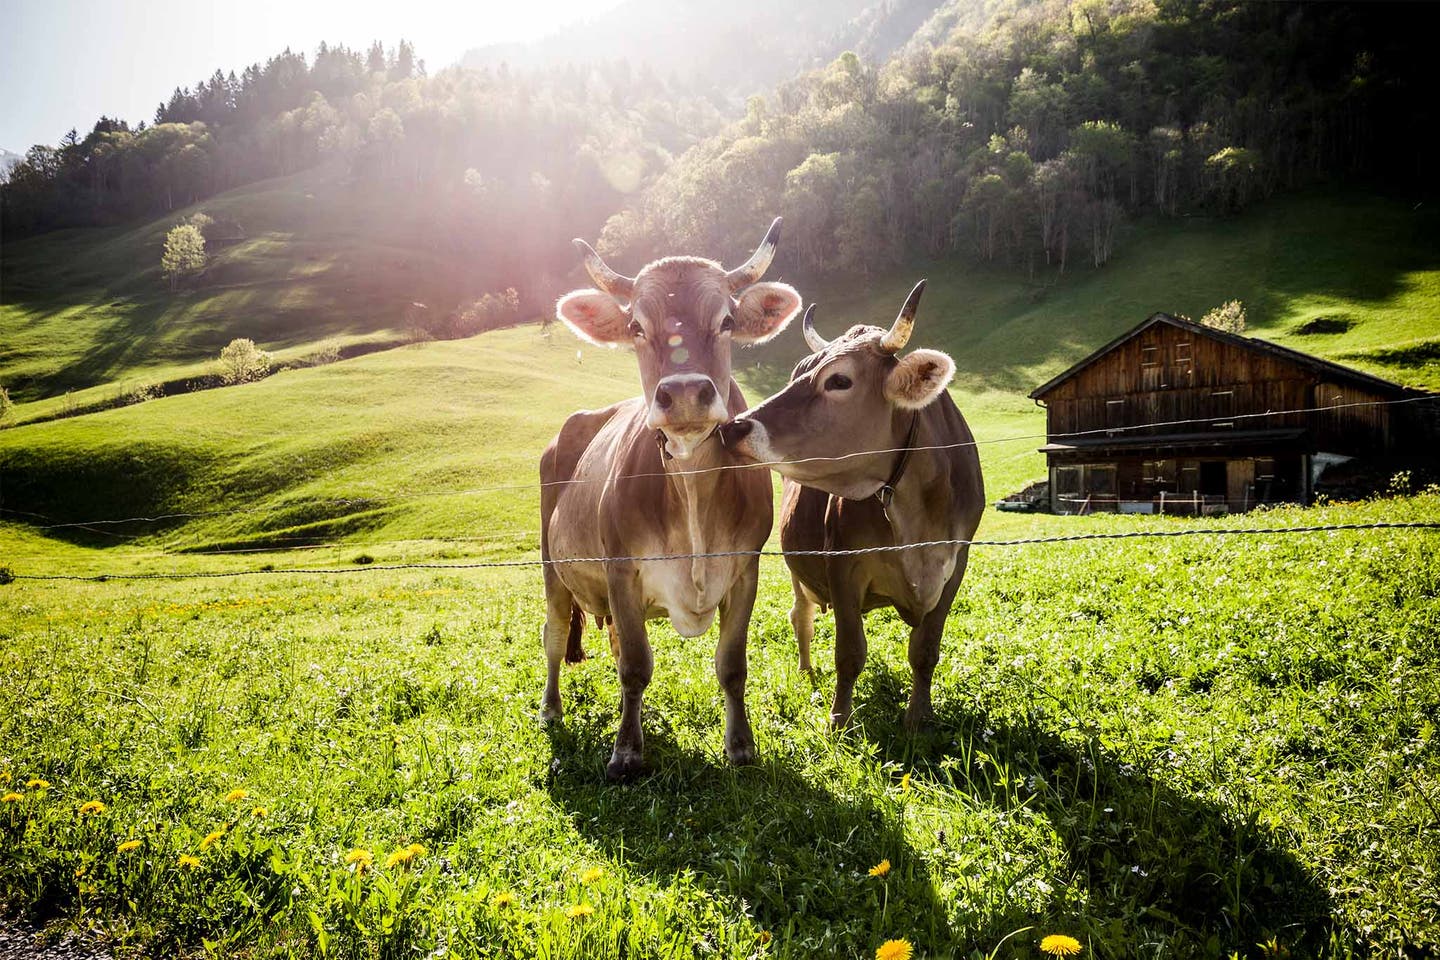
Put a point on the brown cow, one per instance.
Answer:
(637, 479)
(855, 435)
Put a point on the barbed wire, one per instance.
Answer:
(368, 500)
(655, 558)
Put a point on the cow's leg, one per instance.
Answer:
(635, 664)
(850, 653)
(559, 608)
(802, 620)
(731, 666)
(925, 640)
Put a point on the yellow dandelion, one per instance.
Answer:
(79, 871)
(212, 838)
(11, 797)
(578, 910)
(405, 855)
(1060, 945)
(188, 862)
(765, 938)
(880, 869)
(127, 846)
(4, 776)
(235, 796)
(503, 900)
(894, 950)
(591, 875)
(905, 783)
(360, 860)
(259, 813)
(37, 784)
(92, 807)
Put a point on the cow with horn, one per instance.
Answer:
(649, 477)
(874, 454)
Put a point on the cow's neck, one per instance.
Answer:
(923, 494)
(693, 483)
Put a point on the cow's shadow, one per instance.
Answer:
(796, 854)
(1145, 853)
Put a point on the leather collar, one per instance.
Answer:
(886, 493)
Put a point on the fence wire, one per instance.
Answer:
(654, 558)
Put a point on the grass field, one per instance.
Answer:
(1184, 748)
(1164, 748)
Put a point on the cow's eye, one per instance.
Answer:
(635, 330)
(837, 381)
(727, 324)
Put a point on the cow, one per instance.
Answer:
(649, 477)
(874, 453)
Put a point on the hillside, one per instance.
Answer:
(89, 313)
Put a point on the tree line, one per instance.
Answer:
(505, 166)
(1017, 131)
(1029, 133)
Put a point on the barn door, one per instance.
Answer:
(1240, 478)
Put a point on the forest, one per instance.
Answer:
(1019, 131)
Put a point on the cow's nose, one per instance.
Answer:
(687, 397)
(736, 430)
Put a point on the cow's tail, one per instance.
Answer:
(574, 650)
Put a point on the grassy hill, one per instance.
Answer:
(314, 454)
(319, 260)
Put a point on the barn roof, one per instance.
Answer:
(1324, 367)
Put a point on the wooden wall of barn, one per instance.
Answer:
(1168, 373)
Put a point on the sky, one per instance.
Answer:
(63, 63)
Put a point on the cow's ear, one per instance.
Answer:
(594, 316)
(763, 310)
(918, 378)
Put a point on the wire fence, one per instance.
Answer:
(271, 543)
(656, 558)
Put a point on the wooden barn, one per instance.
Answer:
(1177, 417)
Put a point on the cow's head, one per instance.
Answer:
(851, 396)
(680, 315)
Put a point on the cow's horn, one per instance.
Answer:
(754, 268)
(615, 284)
(807, 327)
(899, 333)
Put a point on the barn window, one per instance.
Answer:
(1101, 479)
(1115, 413)
(1152, 373)
(1183, 369)
(1067, 481)
(1159, 473)
(1264, 468)
(1222, 404)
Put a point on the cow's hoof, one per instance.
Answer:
(624, 766)
(742, 755)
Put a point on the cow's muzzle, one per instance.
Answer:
(687, 408)
(745, 437)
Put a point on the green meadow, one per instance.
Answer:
(1200, 747)
(1196, 747)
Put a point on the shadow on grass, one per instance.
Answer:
(1165, 864)
(796, 853)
